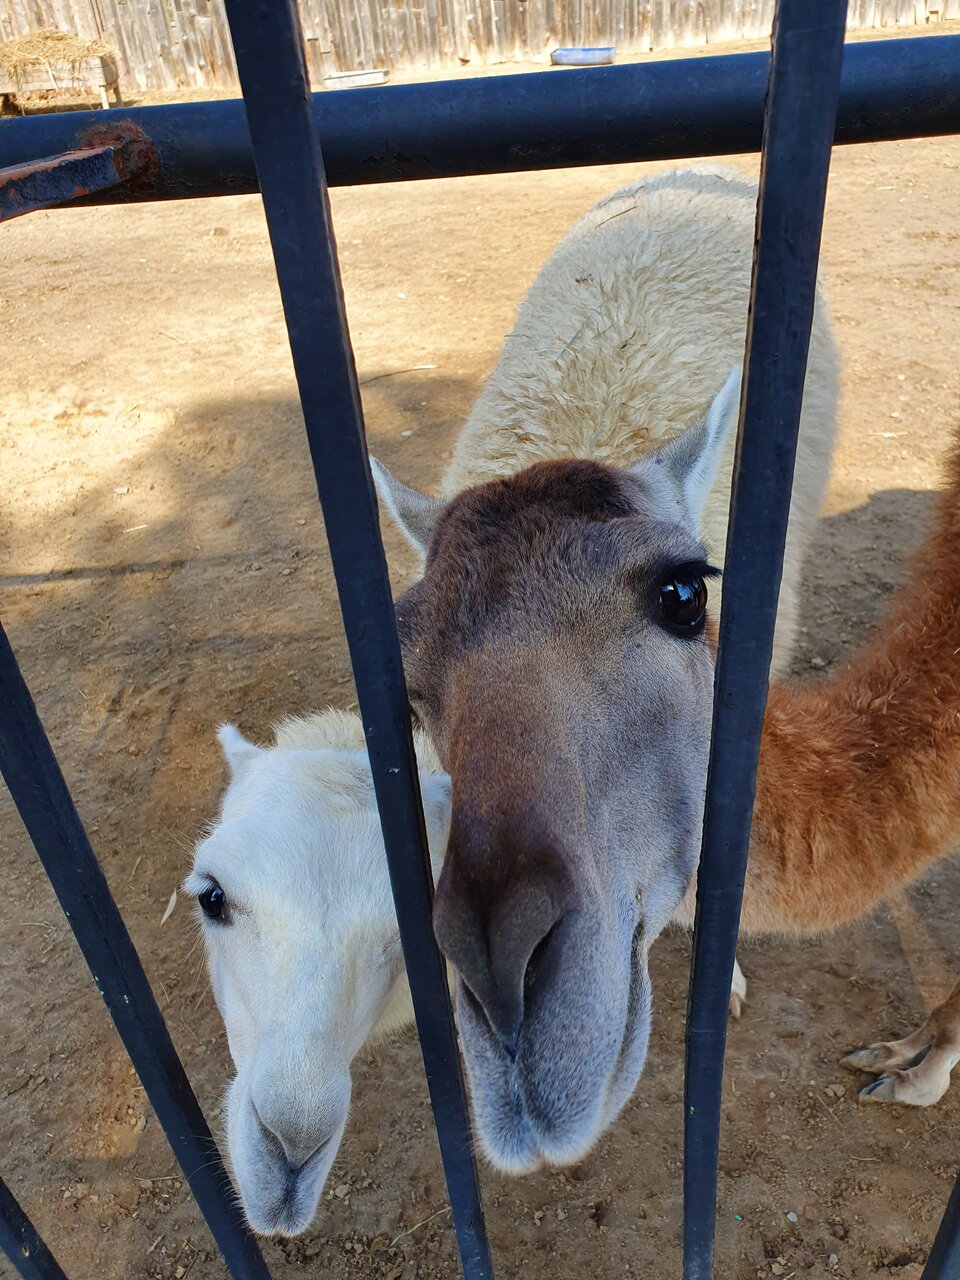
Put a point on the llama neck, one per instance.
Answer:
(397, 1013)
(859, 782)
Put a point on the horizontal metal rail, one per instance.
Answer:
(798, 128)
(40, 793)
(21, 1242)
(543, 120)
(268, 44)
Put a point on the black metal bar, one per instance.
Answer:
(944, 1260)
(40, 793)
(798, 130)
(547, 120)
(21, 1242)
(268, 44)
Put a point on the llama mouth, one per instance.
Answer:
(537, 1107)
(278, 1198)
(299, 1197)
(636, 1033)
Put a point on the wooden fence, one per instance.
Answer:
(173, 44)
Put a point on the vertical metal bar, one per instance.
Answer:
(799, 124)
(21, 1243)
(40, 793)
(944, 1260)
(268, 45)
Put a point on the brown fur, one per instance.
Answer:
(859, 782)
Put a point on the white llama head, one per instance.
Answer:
(303, 949)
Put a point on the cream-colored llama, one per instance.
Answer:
(627, 333)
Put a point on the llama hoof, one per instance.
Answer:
(883, 1089)
(876, 1059)
(916, 1088)
(879, 1059)
(738, 992)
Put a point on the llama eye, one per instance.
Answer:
(683, 601)
(213, 901)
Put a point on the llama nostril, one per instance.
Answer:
(295, 1153)
(297, 1166)
(541, 963)
(505, 1027)
(268, 1135)
(500, 981)
(497, 927)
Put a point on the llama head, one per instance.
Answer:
(304, 953)
(557, 650)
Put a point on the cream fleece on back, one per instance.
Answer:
(625, 337)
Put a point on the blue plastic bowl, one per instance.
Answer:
(583, 57)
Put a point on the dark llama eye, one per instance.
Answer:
(212, 901)
(683, 601)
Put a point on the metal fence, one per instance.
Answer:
(793, 107)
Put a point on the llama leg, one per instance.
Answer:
(738, 987)
(738, 991)
(914, 1071)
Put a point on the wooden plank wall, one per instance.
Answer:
(175, 44)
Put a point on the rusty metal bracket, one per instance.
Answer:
(110, 156)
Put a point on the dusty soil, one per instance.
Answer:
(164, 567)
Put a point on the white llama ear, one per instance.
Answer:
(691, 460)
(237, 751)
(414, 512)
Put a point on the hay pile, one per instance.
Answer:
(48, 47)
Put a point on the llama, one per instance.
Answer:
(266, 822)
(303, 948)
(857, 790)
(557, 649)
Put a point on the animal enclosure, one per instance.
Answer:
(120, 496)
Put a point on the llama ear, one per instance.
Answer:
(414, 512)
(690, 461)
(237, 751)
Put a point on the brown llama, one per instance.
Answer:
(558, 651)
(859, 789)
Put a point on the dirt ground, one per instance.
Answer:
(164, 567)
